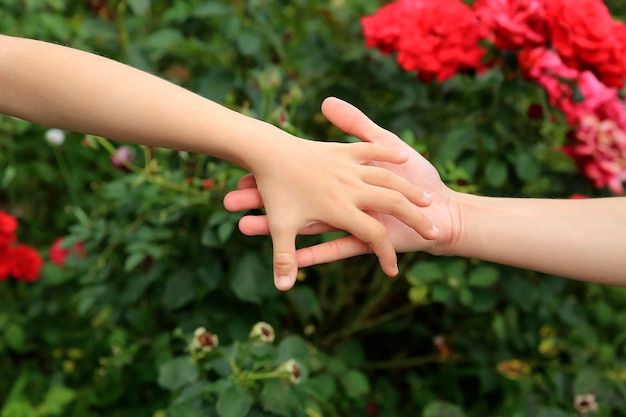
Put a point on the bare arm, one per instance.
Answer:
(70, 89)
(580, 239)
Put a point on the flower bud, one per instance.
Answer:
(263, 331)
(203, 340)
(55, 137)
(122, 155)
(586, 404)
(295, 373)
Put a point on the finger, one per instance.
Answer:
(373, 233)
(335, 250)
(258, 225)
(285, 266)
(383, 178)
(352, 121)
(245, 199)
(247, 181)
(392, 202)
(367, 152)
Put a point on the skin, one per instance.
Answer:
(577, 239)
(302, 182)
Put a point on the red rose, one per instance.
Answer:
(383, 29)
(587, 38)
(513, 24)
(8, 225)
(436, 38)
(5, 263)
(25, 263)
(58, 253)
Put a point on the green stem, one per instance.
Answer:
(252, 376)
(147, 172)
(67, 178)
(379, 289)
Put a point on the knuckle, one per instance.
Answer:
(283, 260)
(378, 233)
(396, 198)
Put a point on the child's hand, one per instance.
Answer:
(344, 191)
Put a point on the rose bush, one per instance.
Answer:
(114, 328)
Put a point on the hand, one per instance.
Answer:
(404, 235)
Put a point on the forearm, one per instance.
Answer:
(77, 91)
(579, 239)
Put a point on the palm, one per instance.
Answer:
(419, 172)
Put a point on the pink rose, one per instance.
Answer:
(599, 150)
(513, 24)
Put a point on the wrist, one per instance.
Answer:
(459, 209)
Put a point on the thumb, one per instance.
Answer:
(354, 122)
(285, 266)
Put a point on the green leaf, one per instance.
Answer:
(164, 39)
(526, 167)
(15, 337)
(292, 347)
(276, 397)
(587, 381)
(443, 294)
(419, 294)
(466, 296)
(305, 302)
(18, 408)
(483, 276)
(53, 275)
(224, 231)
(442, 409)
(455, 143)
(177, 372)
(57, 398)
(424, 272)
(213, 8)
(553, 412)
(234, 401)
(249, 43)
(178, 290)
(355, 383)
(323, 387)
(215, 84)
(139, 7)
(246, 281)
(496, 172)
(133, 260)
(351, 353)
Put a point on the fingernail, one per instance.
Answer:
(435, 231)
(428, 197)
(403, 154)
(283, 281)
(396, 270)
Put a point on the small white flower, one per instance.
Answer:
(203, 340)
(263, 331)
(586, 404)
(295, 373)
(55, 137)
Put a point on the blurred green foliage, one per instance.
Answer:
(107, 334)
